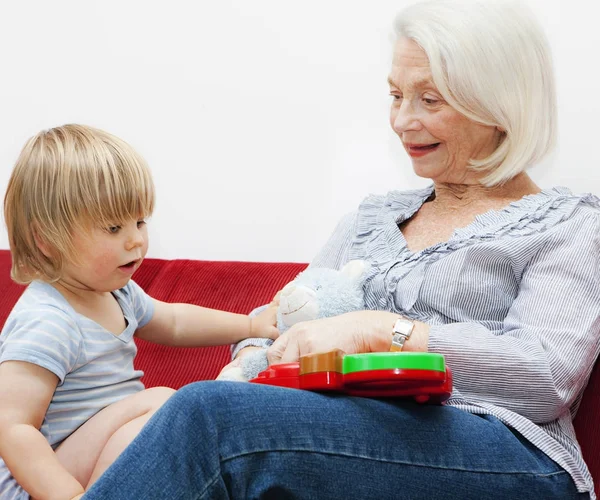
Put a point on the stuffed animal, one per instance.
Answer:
(315, 293)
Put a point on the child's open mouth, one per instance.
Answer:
(129, 267)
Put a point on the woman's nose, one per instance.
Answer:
(405, 118)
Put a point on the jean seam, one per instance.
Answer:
(400, 462)
(216, 477)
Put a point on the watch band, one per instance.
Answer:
(401, 332)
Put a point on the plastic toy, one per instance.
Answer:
(422, 376)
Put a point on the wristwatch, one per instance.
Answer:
(403, 328)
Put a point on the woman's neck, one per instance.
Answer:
(459, 196)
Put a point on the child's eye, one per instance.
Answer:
(141, 223)
(113, 229)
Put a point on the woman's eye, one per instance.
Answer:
(396, 97)
(430, 100)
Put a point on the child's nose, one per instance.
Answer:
(135, 239)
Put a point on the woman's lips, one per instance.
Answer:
(418, 150)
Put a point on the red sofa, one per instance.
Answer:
(239, 287)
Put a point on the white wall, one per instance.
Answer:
(263, 121)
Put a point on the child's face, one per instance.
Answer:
(108, 256)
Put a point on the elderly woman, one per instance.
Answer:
(483, 266)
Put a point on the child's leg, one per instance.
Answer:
(117, 443)
(83, 450)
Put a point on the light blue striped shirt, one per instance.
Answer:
(93, 365)
(512, 300)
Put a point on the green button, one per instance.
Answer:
(393, 360)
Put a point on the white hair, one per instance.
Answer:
(491, 61)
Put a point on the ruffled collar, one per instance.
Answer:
(379, 238)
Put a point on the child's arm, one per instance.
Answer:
(25, 394)
(187, 325)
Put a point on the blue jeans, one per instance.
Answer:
(220, 440)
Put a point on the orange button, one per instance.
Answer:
(322, 362)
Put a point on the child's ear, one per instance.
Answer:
(40, 242)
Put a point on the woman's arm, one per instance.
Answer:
(25, 393)
(540, 360)
(334, 254)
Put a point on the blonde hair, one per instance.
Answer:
(67, 179)
(491, 61)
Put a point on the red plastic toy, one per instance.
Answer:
(422, 376)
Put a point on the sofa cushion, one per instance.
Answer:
(231, 286)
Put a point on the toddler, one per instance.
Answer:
(70, 398)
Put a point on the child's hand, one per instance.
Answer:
(265, 324)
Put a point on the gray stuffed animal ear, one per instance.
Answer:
(355, 270)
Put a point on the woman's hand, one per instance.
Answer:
(355, 332)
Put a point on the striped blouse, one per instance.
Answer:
(93, 365)
(512, 300)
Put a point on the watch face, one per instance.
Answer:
(404, 327)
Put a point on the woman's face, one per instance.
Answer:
(439, 140)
